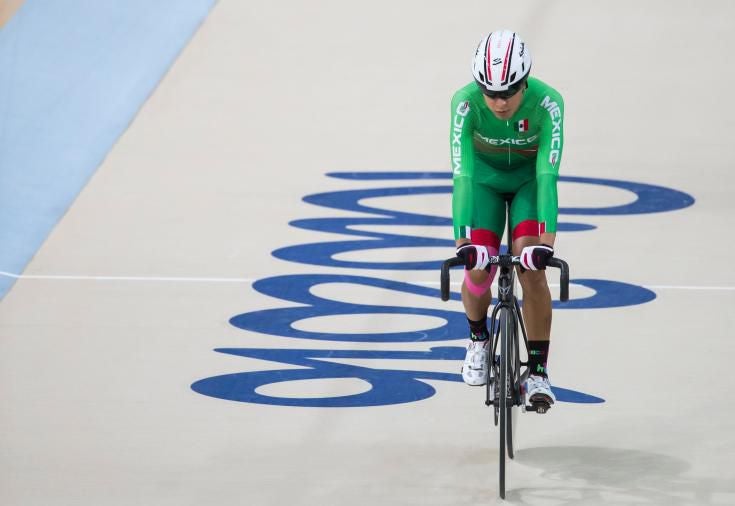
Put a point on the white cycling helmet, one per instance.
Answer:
(501, 60)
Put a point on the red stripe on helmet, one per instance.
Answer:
(505, 65)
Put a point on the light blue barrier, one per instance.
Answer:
(73, 75)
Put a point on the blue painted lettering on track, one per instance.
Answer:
(297, 288)
(388, 386)
(648, 199)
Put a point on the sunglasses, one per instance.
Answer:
(505, 94)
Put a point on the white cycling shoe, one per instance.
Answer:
(538, 392)
(474, 369)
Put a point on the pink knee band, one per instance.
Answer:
(482, 288)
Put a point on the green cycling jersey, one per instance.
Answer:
(506, 154)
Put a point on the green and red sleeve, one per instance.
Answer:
(460, 140)
(551, 142)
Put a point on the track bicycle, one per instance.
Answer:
(504, 358)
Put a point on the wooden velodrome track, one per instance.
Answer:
(336, 376)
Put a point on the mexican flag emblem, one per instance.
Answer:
(522, 126)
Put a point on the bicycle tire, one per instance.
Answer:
(503, 400)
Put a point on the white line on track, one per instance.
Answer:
(250, 280)
(126, 278)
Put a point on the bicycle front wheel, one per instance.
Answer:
(502, 384)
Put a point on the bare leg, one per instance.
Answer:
(536, 297)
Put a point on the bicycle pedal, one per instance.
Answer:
(539, 407)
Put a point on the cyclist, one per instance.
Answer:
(506, 143)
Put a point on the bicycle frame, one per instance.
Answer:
(507, 302)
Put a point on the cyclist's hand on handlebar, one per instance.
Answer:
(535, 258)
(475, 257)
